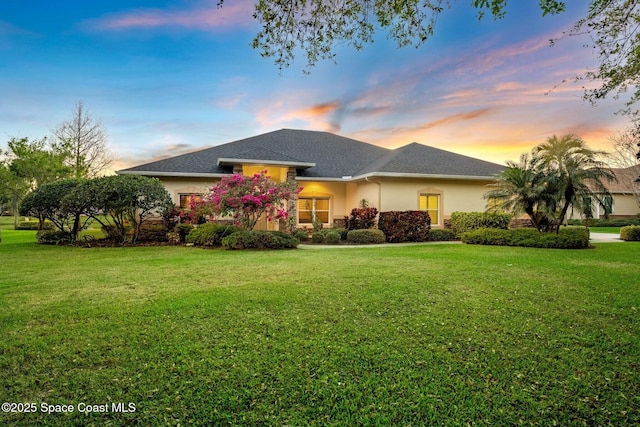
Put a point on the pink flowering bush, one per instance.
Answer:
(247, 198)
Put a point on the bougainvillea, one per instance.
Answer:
(247, 198)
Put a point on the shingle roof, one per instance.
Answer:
(420, 159)
(321, 155)
(626, 183)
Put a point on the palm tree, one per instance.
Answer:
(575, 172)
(523, 188)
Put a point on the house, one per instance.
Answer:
(336, 174)
(625, 194)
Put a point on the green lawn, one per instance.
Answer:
(615, 230)
(434, 334)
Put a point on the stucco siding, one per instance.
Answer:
(464, 196)
(176, 186)
(336, 191)
(625, 204)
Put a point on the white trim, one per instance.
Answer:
(310, 178)
(177, 174)
(422, 175)
(232, 161)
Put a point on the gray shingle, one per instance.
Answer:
(334, 157)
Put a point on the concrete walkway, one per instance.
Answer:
(605, 237)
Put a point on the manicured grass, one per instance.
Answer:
(615, 230)
(434, 334)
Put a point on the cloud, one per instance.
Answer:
(237, 14)
(9, 31)
(454, 118)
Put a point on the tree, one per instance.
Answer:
(613, 27)
(119, 200)
(576, 173)
(246, 199)
(27, 165)
(84, 140)
(523, 188)
(316, 27)
(35, 162)
(47, 202)
(563, 173)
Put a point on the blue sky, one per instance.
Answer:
(169, 77)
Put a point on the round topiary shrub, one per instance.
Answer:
(365, 236)
(332, 238)
(630, 233)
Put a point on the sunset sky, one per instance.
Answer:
(169, 77)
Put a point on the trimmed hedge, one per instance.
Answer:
(257, 239)
(366, 236)
(461, 222)
(568, 238)
(210, 234)
(405, 226)
(332, 237)
(630, 233)
(441, 235)
(618, 222)
(33, 225)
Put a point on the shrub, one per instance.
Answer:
(53, 237)
(210, 234)
(301, 235)
(618, 222)
(247, 198)
(361, 218)
(405, 226)
(441, 235)
(568, 238)
(630, 233)
(332, 237)
(33, 225)
(462, 222)
(366, 236)
(155, 231)
(182, 230)
(342, 231)
(255, 239)
(318, 236)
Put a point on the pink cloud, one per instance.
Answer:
(202, 19)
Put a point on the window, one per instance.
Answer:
(310, 206)
(431, 204)
(185, 200)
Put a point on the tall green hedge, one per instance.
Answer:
(567, 238)
(462, 222)
(405, 226)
